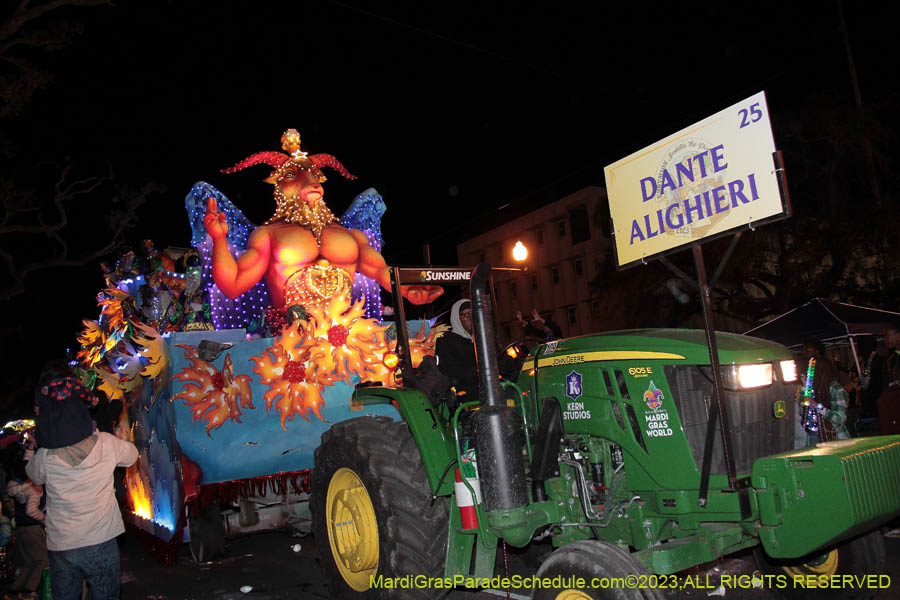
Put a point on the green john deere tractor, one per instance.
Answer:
(606, 445)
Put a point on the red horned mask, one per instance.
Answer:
(290, 141)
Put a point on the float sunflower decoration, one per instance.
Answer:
(93, 344)
(423, 344)
(104, 338)
(341, 342)
(212, 395)
(335, 343)
(110, 384)
(112, 309)
(285, 369)
(420, 346)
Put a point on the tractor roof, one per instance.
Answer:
(678, 344)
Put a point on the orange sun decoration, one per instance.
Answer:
(420, 346)
(284, 369)
(212, 395)
(342, 343)
(334, 344)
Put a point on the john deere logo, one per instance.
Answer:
(779, 409)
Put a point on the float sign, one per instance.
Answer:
(713, 177)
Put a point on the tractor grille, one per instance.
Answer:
(873, 481)
(755, 431)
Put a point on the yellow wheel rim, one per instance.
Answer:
(825, 565)
(572, 595)
(352, 528)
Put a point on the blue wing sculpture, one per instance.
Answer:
(364, 214)
(247, 309)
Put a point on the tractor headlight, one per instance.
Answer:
(788, 370)
(754, 376)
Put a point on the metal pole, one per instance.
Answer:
(406, 368)
(717, 407)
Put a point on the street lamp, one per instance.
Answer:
(520, 252)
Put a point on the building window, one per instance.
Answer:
(561, 228)
(581, 228)
(534, 282)
(579, 267)
(570, 312)
(554, 274)
(539, 236)
(513, 288)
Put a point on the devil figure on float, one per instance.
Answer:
(303, 252)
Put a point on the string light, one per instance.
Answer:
(314, 284)
(810, 416)
(290, 210)
(365, 214)
(227, 313)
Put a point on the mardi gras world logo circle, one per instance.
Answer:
(653, 397)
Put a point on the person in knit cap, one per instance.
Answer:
(76, 466)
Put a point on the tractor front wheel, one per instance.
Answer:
(861, 556)
(589, 570)
(372, 514)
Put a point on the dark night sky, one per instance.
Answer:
(450, 109)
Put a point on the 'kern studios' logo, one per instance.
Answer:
(573, 385)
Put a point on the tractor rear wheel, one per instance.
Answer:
(596, 562)
(372, 515)
(860, 556)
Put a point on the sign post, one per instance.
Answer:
(717, 177)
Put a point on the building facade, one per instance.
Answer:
(567, 246)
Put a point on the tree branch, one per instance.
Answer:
(117, 225)
(63, 192)
(26, 12)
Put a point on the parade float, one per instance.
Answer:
(232, 357)
(606, 445)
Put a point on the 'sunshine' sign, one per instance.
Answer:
(715, 176)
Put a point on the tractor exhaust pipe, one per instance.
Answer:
(498, 429)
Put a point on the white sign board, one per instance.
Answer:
(710, 178)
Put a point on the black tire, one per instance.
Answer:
(412, 533)
(864, 555)
(207, 531)
(593, 559)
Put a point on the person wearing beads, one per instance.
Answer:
(830, 398)
(305, 255)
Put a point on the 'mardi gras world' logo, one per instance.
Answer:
(657, 420)
(653, 397)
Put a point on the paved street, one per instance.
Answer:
(267, 563)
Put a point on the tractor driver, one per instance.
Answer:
(455, 351)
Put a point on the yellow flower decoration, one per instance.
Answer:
(420, 346)
(283, 368)
(342, 343)
(212, 395)
(153, 349)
